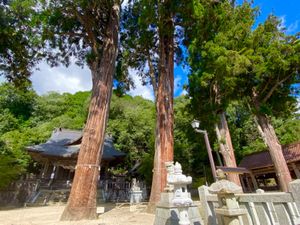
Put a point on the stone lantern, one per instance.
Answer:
(175, 206)
(228, 205)
(182, 199)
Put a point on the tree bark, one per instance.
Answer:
(82, 200)
(226, 147)
(275, 149)
(164, 142)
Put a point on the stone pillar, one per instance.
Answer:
(208, 212)
(294, 188)
(228, 206)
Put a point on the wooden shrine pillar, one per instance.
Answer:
(296, 170)
(253, 180)
(45, 170)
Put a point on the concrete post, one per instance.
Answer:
(294, 188)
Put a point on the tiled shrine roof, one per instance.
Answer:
(263, 159)
(66, 144)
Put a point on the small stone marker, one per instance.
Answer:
(100, 210)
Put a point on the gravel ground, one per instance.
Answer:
(46, 215)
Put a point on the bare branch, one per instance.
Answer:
(274, 88)
(91, 37)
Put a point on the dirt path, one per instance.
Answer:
(117, 215)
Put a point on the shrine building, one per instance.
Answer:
(58, 156)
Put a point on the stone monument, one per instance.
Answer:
(176, 206)
(136, 195)
(135, 192)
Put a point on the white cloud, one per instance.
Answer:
(73, 79)
(146, 91)
(283, 22)
(184, 92)
(61, 79)
(2, 79)
(177, 84)
(288, 28)
(124, 3)
(292, 27)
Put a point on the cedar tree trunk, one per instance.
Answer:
(164, 141)
(275, 149)
(82, 201)
(226, 148)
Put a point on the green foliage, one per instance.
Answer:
(233, 64)
(131, 123)
(19, 40)
(9, 170)
(189, 146)
(28, 119)
(18, 102)
(66, 110)
(145, 24)
(74, 29)
(147, 166)
(8, 121)
(214, 42)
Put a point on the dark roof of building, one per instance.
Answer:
(65, 144)
(62, 136)
(263, 159)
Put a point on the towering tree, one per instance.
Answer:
(86, 31)
(151, 35)
(217, 28)
(257, 65)
(273, 67)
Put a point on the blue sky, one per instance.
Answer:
(288, 10)
(73, 78)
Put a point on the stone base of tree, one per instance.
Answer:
(151, 208)
(79, 213)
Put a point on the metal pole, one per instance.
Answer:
(210, 156)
